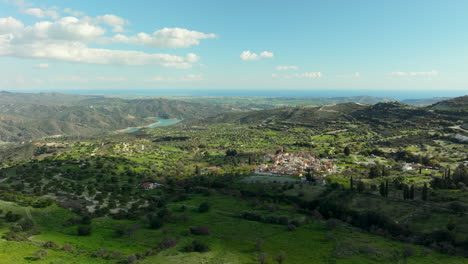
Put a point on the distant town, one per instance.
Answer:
(293, 164)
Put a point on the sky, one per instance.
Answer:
(307, 45)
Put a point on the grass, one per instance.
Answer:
(232, 238)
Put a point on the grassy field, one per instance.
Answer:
(231, 240)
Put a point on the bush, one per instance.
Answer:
(156, 223)
(291, 227)
(204, 207)
(41, 254)
(168, 242)
(199, 230)
(196, 246)
(67, 247)
(50, 244)
(84, 230)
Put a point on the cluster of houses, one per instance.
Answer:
(294, 164)
(149, 185)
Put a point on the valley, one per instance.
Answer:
(395, 191)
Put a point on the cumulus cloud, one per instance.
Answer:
(193, 77)
(310, 75)
(111, 79)
(41, 13)
(306, 75)
(42, 66)
(287, 68)
(116, 22)
(248, 55)
(187, 78)
(71, 79)
(432, 73)
(66, 40)
(73, 12)
(164, 38)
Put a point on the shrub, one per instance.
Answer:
(196, 246)
(199, 230)
(67, 247)
(168, 242)
(84, 230)
(408, 252)
(50, 244)
(204, 207)
(291, 227)
(156, 223)
(41, 254)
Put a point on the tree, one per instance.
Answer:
(259, 244)
(281, 257)
(351, 183)
(360, 186)
(84, 230)
(156, 222)
(262, 258)
(382, 189)
(424, 193)
(406, 192)
(204, 207)
(386, 188)
(347, 151)
(41, 254)
(411, 192)
(374, 172)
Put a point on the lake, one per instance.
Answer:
(162, 122)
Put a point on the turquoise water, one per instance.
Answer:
(162, 122)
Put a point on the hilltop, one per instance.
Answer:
(455, 104)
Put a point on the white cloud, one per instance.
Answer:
(193, 77)
(307, 75)
(111, 79)
(310, 75)
(42, 66)
(164, 38)
(266, 54)
(65, 40)
(10, 25)
(187, 78)
(73, 12)
(287, 68)
(66, 28)
(432, 73)
(248, 55)
(116, 22)
(352, 75)
(41, 13)
(71, 79)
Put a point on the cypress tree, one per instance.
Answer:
(424, 193)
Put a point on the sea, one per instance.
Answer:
(395, 94)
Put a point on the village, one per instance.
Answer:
(293, 164)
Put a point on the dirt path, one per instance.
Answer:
(2, 180)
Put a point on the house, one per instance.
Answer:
(149, 185)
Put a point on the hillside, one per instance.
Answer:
(455, 104)
(41, 115)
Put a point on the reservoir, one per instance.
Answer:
(160, 123)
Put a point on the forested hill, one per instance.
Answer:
(381, 116)
(30, 116)
(455, 104)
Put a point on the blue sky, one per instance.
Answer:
(207, 44)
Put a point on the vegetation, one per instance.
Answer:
(396, 193)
